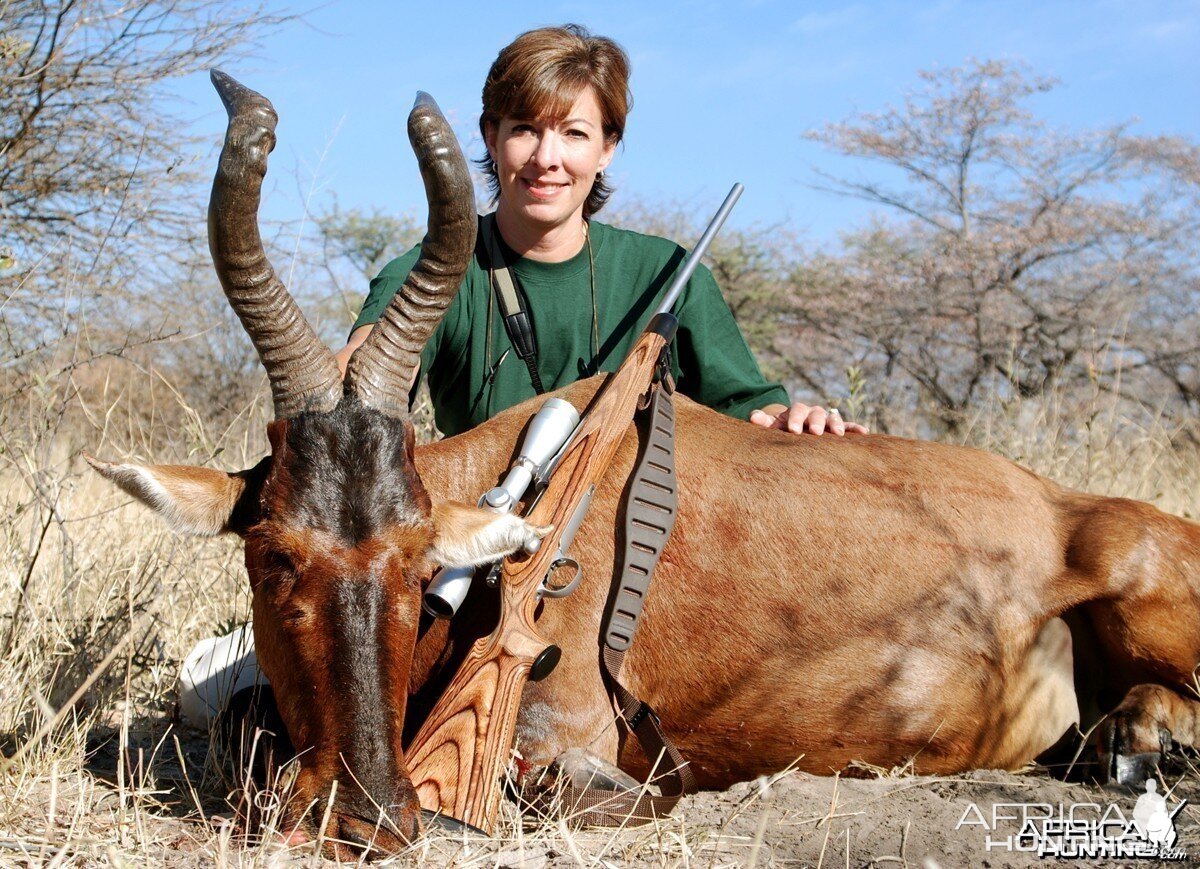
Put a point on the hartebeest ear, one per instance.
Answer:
(192, 500)
(471, 536)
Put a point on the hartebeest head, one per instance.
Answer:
(338, 528)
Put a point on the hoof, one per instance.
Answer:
(1134, 769)
(1131, 749)
(446, 824)
(583, 770)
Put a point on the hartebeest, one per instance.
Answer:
(912, 611)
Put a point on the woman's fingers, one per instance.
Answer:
(813, 419)
(807, 418)
(803, 417)
(766, 420)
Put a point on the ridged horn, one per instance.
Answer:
(303, 373)
(380, 371)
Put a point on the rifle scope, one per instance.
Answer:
(545, 435)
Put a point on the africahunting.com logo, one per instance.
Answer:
(1081, 830)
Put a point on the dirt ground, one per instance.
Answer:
(808, 821)
(793, 819)
(803, 820)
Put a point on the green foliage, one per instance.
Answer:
(856, 406)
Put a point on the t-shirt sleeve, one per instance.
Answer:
(384, 286)
(382, 290)
(716, 367)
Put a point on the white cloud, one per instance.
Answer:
(815, 22)
(1168, 31)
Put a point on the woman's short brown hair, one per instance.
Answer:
(541, 73)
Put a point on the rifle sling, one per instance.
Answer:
(650, 509)
(513, 310)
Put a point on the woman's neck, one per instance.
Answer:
(555, 244)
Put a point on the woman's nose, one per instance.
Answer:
(547, 154)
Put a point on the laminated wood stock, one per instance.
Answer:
(459, 755)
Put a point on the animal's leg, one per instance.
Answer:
(1136, 568)
(578, 741)
(1133, 738)
(1038, 705)
(1146, 624)
(568, 710)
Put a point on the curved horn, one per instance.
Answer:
(303, 373)
(380, 371)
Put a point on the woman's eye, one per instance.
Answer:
(577, 134)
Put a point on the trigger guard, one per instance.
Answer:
(547, 591)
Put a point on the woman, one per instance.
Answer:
(554, 109)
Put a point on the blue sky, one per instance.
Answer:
(723, 91)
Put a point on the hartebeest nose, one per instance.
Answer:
(377, 832)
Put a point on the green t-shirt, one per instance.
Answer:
(711, 361)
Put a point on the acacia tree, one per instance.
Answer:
(92, 163)
(355, 244)
(82, 122)
(102, 223)
(1013, 257)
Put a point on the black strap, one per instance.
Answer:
(512, 302)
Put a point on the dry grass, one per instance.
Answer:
(100, 603)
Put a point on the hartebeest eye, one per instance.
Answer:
(271, 565)
(280, 565)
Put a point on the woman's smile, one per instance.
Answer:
(543, 190)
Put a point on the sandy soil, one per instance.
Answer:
(804, 820)
(793, 820)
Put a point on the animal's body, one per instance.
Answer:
(910, 611)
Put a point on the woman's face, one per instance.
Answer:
(546, 168)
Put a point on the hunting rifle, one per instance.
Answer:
(458, 757)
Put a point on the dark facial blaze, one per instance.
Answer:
(336, 562)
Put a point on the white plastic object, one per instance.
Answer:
(214, 671)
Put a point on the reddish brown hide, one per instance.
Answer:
(335, 561)
(851, 599)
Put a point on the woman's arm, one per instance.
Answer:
(719, 370)
(352, 343)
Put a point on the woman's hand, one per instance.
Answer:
(802, 417)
